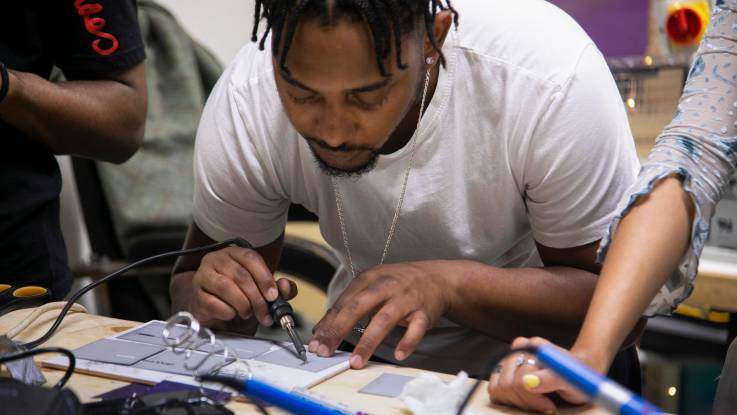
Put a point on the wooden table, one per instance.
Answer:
(79, 329)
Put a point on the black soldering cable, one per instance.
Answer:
(32, 346)
(28, 353)
(207, 248)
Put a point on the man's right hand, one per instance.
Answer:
(229, 284)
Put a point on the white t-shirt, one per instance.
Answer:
(525, 139)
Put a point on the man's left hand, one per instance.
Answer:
(414, 295)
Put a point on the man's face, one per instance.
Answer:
(337, 99)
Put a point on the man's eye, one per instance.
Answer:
(369, 99)
(304, 98)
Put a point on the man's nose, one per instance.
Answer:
(336, 125)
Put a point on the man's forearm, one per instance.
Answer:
(101, 119)
(509, 302)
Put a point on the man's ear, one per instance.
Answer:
(440, 29)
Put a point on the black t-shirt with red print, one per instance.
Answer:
(86, 39)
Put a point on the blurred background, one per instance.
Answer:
(113, 215)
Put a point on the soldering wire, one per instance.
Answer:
(31, 318)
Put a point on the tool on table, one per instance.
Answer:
(13, 298)
(24, 370)
(296, 403)
(281, 311)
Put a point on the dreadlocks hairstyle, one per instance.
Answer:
(387, 20)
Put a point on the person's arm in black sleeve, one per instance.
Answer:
(100, 111)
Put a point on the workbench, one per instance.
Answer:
(80, 328)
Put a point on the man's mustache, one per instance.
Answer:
(345, 148)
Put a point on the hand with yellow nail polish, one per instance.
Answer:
(531, 381)
(525, 386)
(517, 382)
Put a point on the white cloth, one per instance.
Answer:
(525, 139)
(427, 394)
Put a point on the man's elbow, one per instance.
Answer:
(130, 137)
(131, 134)
(129, 145)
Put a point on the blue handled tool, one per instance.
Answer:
(261, 391)
(601, 389)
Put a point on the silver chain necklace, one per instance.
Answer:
(397, 210)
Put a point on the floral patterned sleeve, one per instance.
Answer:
(699, 145)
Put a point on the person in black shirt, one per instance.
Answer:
(98, 113)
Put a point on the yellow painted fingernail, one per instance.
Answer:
(550, 412)
(531, 381)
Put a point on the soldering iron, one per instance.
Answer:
(281, 311)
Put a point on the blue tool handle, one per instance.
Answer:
(293, 403)
(261, 391)
(600, 388)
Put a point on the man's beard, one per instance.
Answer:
(338, 172)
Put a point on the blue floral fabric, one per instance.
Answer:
(699, 145)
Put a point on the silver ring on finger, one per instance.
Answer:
(519, 361)
(530, 362)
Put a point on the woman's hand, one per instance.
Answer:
(522, 382)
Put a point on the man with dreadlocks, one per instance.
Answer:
(465, 175)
